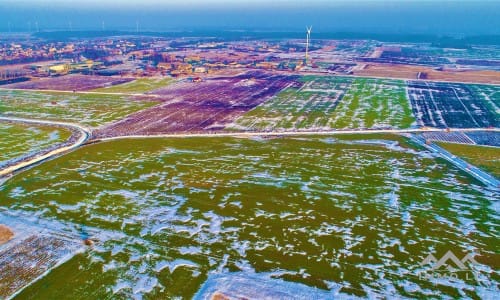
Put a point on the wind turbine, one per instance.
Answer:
(308, 39)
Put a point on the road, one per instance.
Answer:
(475, 172)
(299, 133)
(85, 133)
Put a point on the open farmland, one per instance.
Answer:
(333, 102)
(480, 156)
(87, 109)
(34, 249)
(351, 216)
(20, 140)
(412, 71)
(450, 105)
(140, 85)
(207, 105)
(490, 94)
(374, 103)
(74, 82)
(311, 106)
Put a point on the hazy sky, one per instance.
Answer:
(390, 16)
(140, 4)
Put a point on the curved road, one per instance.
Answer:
(84, 135)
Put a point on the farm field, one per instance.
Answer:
(350, 216)
(203, 106)
(86, 109)
(20, 140)
(454, 105)
(424, 57)
(490, 95)
(73, 82)
(32, 250)
(333, 102)
(411, 72)
(310, 106)
(374, 103)
(485, 138)
(487, 158)
(140, 85)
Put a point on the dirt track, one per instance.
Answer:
(410, 72)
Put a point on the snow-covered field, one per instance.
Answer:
(333, 102)
(18, 140)
(348, 216)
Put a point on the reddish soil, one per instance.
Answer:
(203, 106)
(69, 83)
(410, 72)
(5, 234)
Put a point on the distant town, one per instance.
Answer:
(24, 57)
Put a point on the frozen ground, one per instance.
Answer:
(439, 104)
(344, 215)
(21, 140)
(86, 109)
(333, 102)
(33, 251)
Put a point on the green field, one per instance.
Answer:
(19, 139)
(87, 109)
(354, 216)
(487, 158)
(371, 103)
(333, 103)
(309, 107)
(140, 85)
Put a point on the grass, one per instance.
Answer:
(140, 85)
(305, 108)
(18, 139)
(487, 158)
(333, 102)
(339, 209)
(87, 109)
(371, 103)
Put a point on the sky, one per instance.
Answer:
(455, 17)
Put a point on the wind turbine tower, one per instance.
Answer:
(308, 40)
